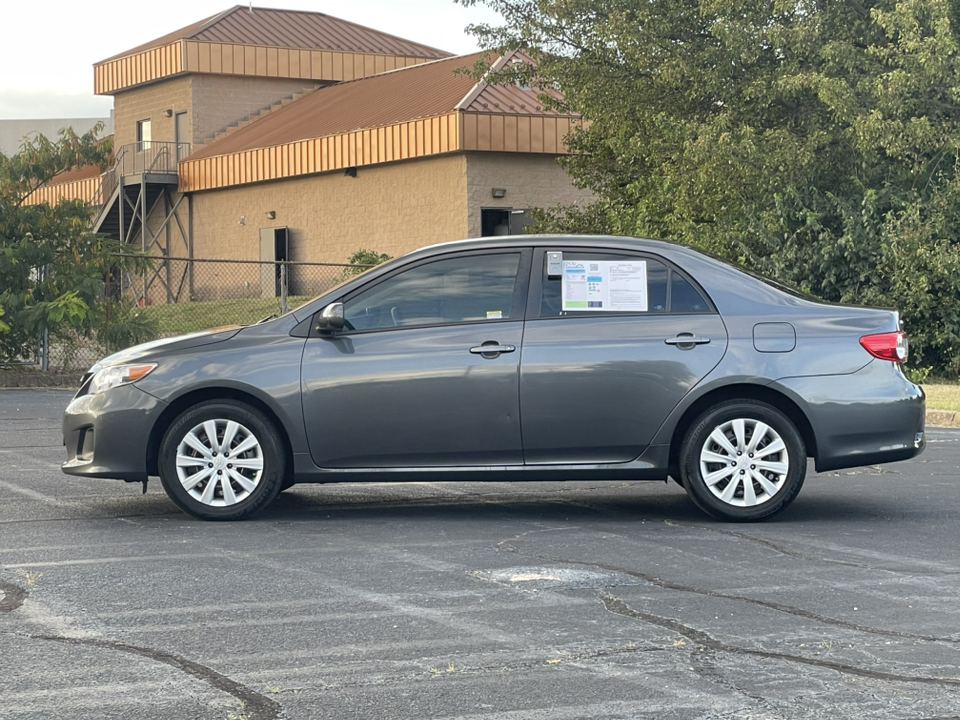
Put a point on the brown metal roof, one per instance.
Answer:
(507, 99)
(83, 172)
(419, 91)
(413, 112)
(292, 29)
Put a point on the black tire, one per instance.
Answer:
(225, 490)
(742, 461)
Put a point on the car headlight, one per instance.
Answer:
(115, 375)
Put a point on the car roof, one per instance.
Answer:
(555, 240)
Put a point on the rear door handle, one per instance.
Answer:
(687, 340)
(492, 349)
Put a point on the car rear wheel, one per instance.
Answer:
(743, 460)
(222, 460)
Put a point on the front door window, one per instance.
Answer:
(456, 290)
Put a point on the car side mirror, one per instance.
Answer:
(330, 319)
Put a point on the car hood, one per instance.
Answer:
(149, 350)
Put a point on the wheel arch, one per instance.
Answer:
(177, 406)
(741, 391)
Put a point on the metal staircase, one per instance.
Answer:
(139, 205)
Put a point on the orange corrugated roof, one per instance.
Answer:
(419, 91)
(83, 172)
(508, 99)
(292, 29)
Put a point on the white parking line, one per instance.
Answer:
(46, 499)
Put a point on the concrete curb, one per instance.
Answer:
(35, 379)
(943, 418)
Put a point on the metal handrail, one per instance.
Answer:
(148, 156)
(108, 182)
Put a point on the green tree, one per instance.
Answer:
(52, 266)
(815, 140)
(364, 260)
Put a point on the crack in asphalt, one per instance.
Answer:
(776, 546)
(13, 596)
(440, 667)
(702, 663)
(85, 518)
(800, 556)
(707, 642)
(255, 705)
(768, 544)
(506, 546)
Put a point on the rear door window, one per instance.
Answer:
(602, 283)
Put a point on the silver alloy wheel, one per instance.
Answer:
(219, 462)
(744, 462)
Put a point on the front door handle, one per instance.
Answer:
(492, 349)
(687, 340)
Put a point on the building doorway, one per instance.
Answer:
(274, 250)
(182, 135)
(503, 221)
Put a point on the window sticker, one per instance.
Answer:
(605, 285)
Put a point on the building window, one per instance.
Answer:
(143, 135)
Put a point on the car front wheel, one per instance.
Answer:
(222, 460)
(743, 460)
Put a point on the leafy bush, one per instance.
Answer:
(124, 325)
(367, 258)
(52, 266)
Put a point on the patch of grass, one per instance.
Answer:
(942, 396)
(187, 317)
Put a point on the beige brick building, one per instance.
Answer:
(260, 124)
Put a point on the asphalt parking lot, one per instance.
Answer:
(514, 601)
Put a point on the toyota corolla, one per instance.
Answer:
(523, 358)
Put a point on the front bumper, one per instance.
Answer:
(107, 435)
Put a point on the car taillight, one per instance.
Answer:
(887, 346)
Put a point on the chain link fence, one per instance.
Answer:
(183, 295)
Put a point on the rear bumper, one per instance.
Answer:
(872, 416)
(107, 435)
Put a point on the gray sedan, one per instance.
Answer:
(523, 358)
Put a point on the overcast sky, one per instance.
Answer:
(49, 46)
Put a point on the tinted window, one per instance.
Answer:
(667, 290)
(461, 289)
(684, 297)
